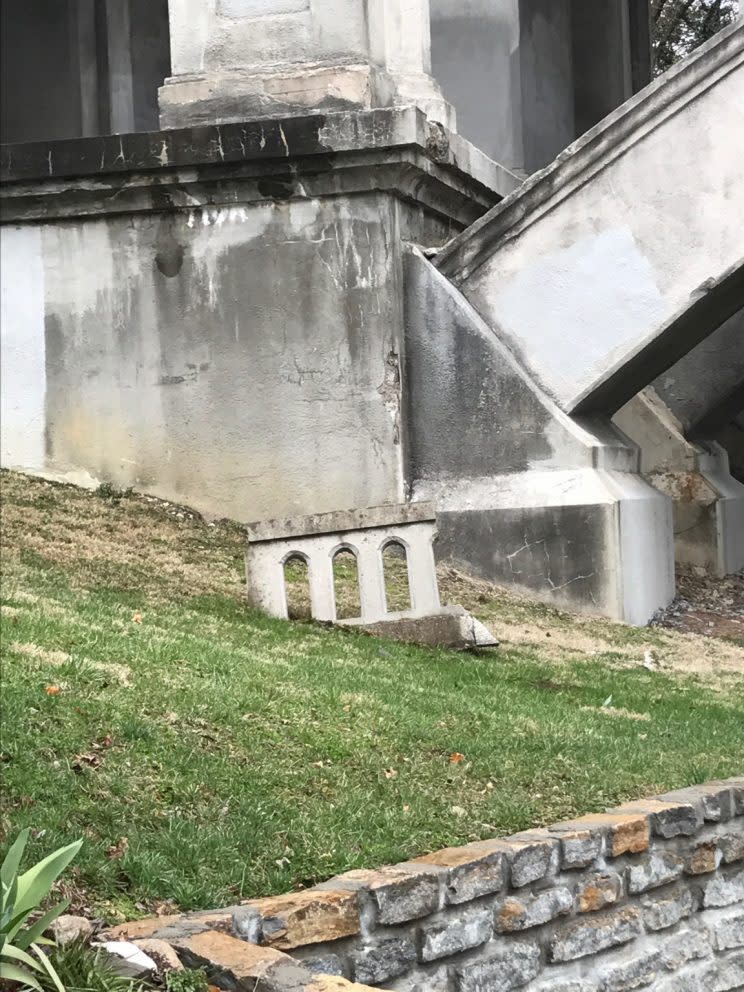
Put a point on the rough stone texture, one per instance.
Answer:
(161, 952)
(299, 918)
(67, 928)
(390, 957)
(510, 968)
(656, 908)
(596, 933)
(472, 871)
(531, 856)
(598, 890)
(460, 933)
(731, 847)
(521, 913)
(667, 909)
(724, 891)
(655, 869)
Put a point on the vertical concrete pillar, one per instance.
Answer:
(371, 580)
(239, 59)
(422, 571)
(322, 591)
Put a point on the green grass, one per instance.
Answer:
(240, 756)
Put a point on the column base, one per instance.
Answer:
(219, 98)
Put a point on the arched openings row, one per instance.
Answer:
(346, 581)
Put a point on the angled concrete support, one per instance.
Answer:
(526, 496)
(589, 273)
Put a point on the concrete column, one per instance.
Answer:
(322, 591)
(371, 580)
(119, 51)
(422, 571)
(240, 59)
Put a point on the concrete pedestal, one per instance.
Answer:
(240, 59)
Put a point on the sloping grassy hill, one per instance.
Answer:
(207, 753)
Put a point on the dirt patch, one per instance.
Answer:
(706, 605)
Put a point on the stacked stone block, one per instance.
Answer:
(646, 896)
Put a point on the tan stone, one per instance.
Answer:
(328, 983)
(315, 916)
(219, 953)
(702, 859)
(627, 833)
(135, 929)
(599, 891)
(161, 953)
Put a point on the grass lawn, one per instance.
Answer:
(207, 753)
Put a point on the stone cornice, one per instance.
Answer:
(396, 150)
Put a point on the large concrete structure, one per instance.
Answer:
(231, 311)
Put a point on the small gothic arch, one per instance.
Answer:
(346, 588)
(394, 553)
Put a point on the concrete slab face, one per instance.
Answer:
(588, 272)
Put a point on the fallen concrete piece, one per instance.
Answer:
(453, 627)
(366, 534)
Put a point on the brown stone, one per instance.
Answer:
(599, 891)
(135, 929)
(472, 871)
(627, 833)
(221, 956)
(702, 859)
(314, 916)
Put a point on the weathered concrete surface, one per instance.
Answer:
(215, 315)
(590, 273)
(525, 495)
(237, 59)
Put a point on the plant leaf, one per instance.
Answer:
(13, 973)
(48, 967)
(35, 884)
(12, 859)
(16, 954)
(35, 931)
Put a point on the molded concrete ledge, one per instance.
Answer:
(277, 159)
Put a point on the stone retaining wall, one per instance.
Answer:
(646, 896)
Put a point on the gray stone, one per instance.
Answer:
(594, 933)
(579, 848)
(532, 858)
(565, 985)
(731, 847)
(655, 868)
(667, 909)
(685, 981)
(685, 946)
(510, 968)
(633, 974)
(458, 933)
(451, 627)
(386, 959)
(727, 930)
(328, 964)
(724, 974)
(522, 912)
(67, 928)
(724, 891)
(407, 899)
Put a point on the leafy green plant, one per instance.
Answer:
(82, 968)
(21, 956)
(188, 980)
